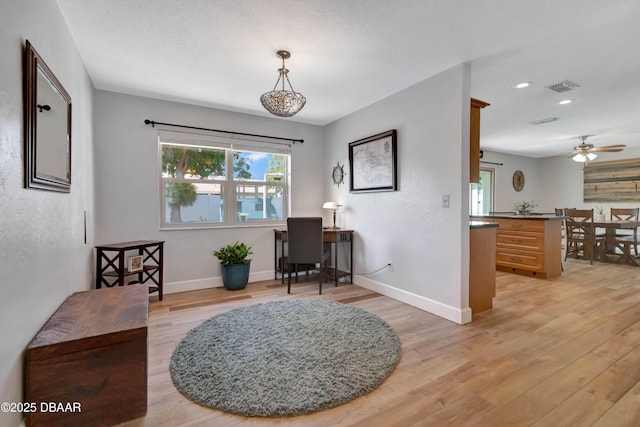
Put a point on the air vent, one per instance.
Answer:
(542, 121)
(564, 86)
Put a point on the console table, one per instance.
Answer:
(332, 236)
(92, 355)
(111, 267)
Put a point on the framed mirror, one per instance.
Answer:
(47, 127)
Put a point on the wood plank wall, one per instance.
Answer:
(613, 181)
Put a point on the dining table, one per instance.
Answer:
(611, 227)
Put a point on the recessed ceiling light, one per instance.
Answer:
(565, 101)
(521, 85)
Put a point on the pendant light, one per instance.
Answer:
(282, 102)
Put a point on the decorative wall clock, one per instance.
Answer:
(518, 180)
(338, 174)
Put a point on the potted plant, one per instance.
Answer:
(234, 265)
(599, 213)
(525, 208)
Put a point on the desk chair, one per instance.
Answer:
(582, 241)
(304, 237)
(625, 241)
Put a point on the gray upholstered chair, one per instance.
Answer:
(305, 246)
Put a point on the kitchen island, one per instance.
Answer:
(530, 245)
(482, 261)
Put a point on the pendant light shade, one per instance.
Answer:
(282, 102)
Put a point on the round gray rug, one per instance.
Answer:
(284, 358)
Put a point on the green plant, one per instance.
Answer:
(526, 206)
(235, 253)
(599, 210)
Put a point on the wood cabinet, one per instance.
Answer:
(529, 246)
(474, 139)
(91, 357)
(112, 269)
(482, 262)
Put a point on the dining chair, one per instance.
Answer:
(305, 247)
(582, 241)
(563, 233)
(626, 238)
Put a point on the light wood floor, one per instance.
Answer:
(560, 352)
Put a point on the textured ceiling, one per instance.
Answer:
(349, 54)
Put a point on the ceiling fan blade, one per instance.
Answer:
(605, 150)
(620, 146)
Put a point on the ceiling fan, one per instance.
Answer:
(586, 152)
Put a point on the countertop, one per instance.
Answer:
(482, 224)
(511, 215)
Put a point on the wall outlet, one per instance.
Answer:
(389, 265)
(445, 200)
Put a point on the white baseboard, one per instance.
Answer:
(434, 307)
(209, 282)
(445, 311)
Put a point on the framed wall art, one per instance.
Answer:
(373, 163)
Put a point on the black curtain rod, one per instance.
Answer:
(492, 163)
(153, 124)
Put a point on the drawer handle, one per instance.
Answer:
(516, 241)
(86, 392)
(516, 259)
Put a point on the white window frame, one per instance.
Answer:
(490, 187)
(229, 184)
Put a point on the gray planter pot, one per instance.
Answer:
(235, 276)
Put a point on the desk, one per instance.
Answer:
(330, 235)
(610, 226)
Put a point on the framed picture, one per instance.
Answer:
(373, 164)
(135, 263)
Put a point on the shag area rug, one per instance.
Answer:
(284, 358)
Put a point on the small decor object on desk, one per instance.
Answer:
(234, 265)
(525, 208)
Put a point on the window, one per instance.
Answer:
(209, 181)
(481, 194)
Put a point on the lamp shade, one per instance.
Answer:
(579, 157)
(330, 205)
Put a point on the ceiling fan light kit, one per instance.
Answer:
(282, 102)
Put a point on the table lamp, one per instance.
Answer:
(333, 206)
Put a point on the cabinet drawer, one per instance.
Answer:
(527, 260)
(109, 383)
(521, 225)
(525, 240)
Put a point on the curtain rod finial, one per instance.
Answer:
(149, 122)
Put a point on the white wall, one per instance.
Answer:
(127, 184)
(505, 196)
(427, 243)
(43, 257)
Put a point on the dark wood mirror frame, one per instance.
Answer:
(47, 127)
